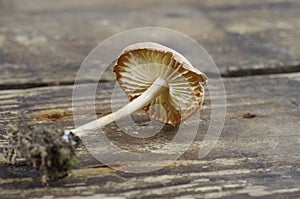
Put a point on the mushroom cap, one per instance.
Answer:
(140, 64)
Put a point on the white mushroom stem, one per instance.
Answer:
(158, 86)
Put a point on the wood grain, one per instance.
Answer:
(42, 44)
(256, 157)
(256, 47)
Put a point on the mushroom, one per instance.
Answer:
(152, 74)
(155, 78)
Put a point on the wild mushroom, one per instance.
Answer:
(150, 74)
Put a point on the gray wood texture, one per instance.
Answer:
(44, 43)
(254, 43)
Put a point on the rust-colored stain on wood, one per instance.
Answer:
(249, 115)
(52, 115)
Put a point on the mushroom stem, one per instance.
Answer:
(158, 86)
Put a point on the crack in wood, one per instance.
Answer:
(234, 71)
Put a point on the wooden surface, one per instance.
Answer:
(254, 43)
(44, 43)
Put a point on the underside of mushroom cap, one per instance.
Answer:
(139, 65)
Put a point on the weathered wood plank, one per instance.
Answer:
(256, 157)
(42, 43)
(263, 35)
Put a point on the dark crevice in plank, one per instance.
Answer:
(38, 85)
(255, 6)
(32, 85)
(231, 72)
(252, 71)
